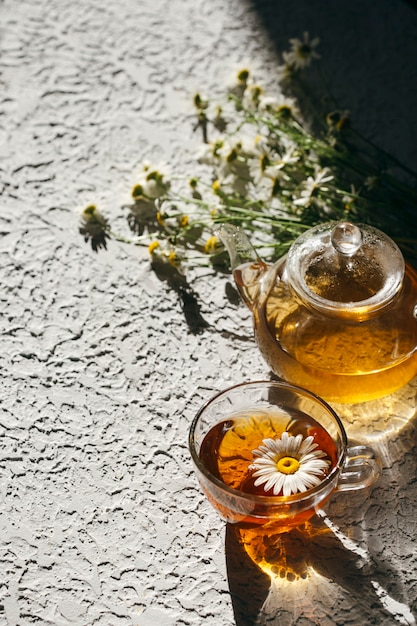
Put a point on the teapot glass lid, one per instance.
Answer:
(345, 269)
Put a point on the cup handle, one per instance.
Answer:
(361, 469)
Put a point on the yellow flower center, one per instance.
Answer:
(265, 162)
(153, 246)
(137, 191)
(211, 245)
(288, 465)
(174, 259)
(304, 50)
(243, 75)
(90, 210)
(284, 111)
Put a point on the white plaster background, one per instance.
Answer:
(101, 521)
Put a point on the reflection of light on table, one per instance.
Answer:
(318, 572)
(381, 419)
(314, 599)
(281, 555)
(289, 602)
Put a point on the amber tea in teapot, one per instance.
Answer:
(337, 315)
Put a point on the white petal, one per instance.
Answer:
(308, 445)
(294, 445)
(314, 466)
(279, 480)
(315, 454)
(264, 471)
(264, 462)
(290, 485)
(267, 481)
(298, 484)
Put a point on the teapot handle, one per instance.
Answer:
(237, 245)
(247, 266)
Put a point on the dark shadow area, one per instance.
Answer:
(368, 52)
(248, 584)
(232, 294)
(187, 296)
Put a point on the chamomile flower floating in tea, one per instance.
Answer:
(289, 465)
(287, 435)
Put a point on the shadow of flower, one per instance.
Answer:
(188, 297)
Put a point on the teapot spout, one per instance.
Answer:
(247, 266)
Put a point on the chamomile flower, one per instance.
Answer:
(236, 148)
(200, 102)
(232, 182)
(209, 153)
(302, 52)
(288, 465)
(261, 161)
(174, 259)
(269, 177)
(153, 247)
(252, 97)
(164, 255)
(94, 227)
(281, 106)
(270, 185)
(312, 185)
(290, 157)
(371, 182)
(261, 168)
(239, 79)
(213, 245)
(234, 156)
(183, 221)
(153, 181)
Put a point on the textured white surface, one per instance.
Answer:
(101, 520)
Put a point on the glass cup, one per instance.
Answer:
(298, 411)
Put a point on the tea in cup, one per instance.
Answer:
(272, 453)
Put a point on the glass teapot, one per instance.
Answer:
(336, 315)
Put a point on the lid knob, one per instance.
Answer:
(346, 238)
